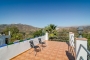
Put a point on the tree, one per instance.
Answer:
(51, 29)
(15, 34)
(38, 33)
(87, 35)
(19, 36)
(12, 30)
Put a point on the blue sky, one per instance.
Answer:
(40, 13)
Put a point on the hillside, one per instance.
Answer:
(21, 27)
(28, 28)
(86, 29)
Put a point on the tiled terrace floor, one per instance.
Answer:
(53, 51)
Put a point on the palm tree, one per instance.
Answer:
(51, 29)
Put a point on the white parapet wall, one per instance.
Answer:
(71, 39)
(46, 38)
(10, 51)
(2, 40)
(80, 51)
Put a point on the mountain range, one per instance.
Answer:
(22, 27)
(28, 28)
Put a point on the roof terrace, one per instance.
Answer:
(53, 51)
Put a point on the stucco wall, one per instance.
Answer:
(81, 51)
(9, 51)
(2, 40)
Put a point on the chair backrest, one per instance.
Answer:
(31, 44)
(39, 39)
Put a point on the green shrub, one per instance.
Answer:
(28, 38)
(21, 41)
(10, 43)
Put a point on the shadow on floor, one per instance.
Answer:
(36, 50)
(67, 43)
(69, 55)
(43, 45)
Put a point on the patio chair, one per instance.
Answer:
(40, 41)
(34, 46)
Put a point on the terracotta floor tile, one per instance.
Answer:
(53, 51)
(52, 58)
(59, 59)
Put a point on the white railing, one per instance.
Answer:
(81, 43)
(81, 57)
(71, 39)
(80, 46)
(71, 44)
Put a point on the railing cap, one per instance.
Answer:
(71, 32)
(81, 39)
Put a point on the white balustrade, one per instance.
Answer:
(71, 39)
(80, 51)
(46, 38)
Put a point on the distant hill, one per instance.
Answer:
(74, 28)
(28, 28)
(21, 27)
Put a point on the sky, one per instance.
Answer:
(40, 13)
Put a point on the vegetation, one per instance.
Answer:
(23, 28)
(87, 35)
(51, 29)
(55, 35)
(38, 33)
(15, 34)
(21, 32)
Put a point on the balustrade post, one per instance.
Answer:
(71, 39)
(79, 50)
(46, 36)
(71, 43)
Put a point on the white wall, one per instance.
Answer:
(2, 40)
(81, 51)
(10, 51)
(47, 36)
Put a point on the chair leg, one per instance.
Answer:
(30, 52)
(40, 48)
(45, 44)
(35, 51)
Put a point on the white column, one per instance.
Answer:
(9, 33)
(79, 49)
(71, 39)
(46, 36)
